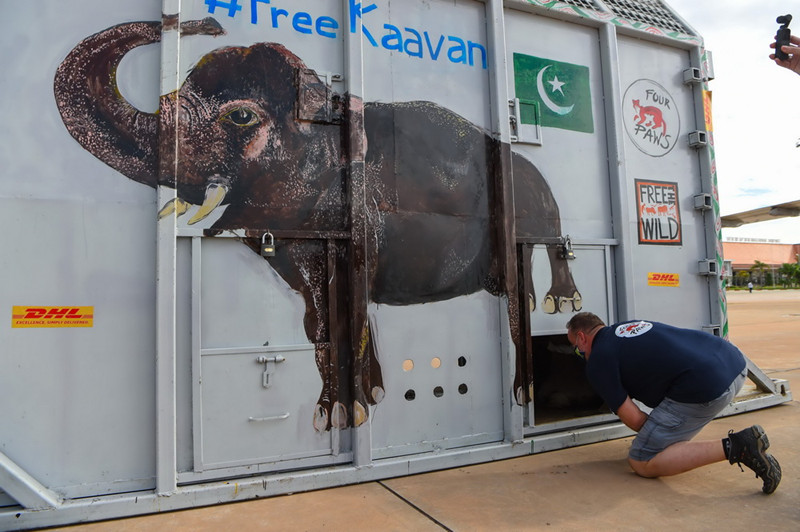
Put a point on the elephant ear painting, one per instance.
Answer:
(262, 143)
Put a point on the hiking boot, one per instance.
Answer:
(749, 447)
(773, 475)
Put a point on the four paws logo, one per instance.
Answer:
(651, 117)
(631, 330)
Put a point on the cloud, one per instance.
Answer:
(756, 118)
(754, 191)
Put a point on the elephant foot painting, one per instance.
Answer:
(256, 138)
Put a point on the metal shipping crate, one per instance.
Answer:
(307, 243)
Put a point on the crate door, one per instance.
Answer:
(257, 156)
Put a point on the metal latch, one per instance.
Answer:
(525, 121)
(707, 267)
(514, 119)
(269, 367)
(692, 75)
(703, 201)
(698, 139)
(316, 100)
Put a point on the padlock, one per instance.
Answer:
(267, 248)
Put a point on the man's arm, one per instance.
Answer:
(630, 414)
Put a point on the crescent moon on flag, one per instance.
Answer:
(557, 109)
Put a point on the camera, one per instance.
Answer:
(782, 37)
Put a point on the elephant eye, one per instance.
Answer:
(241, 116)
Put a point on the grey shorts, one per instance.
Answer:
(672, 422)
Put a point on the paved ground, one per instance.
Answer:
(583, 488)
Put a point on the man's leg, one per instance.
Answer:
(663, 445)
(679, 458)
(746, 447)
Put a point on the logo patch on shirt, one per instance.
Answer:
(630, 330)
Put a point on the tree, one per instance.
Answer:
(742, 276)
(759, 267)
(790, 273)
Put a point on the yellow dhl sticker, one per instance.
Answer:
(663, 279)
(29, 317)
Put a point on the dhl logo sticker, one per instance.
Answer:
(663, 279)
(29, 317)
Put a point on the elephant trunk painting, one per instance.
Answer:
(262, 144)
(95, 112)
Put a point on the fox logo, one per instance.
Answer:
(650, 116)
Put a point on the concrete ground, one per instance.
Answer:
(582, 488)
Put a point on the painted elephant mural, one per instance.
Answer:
(260, 140)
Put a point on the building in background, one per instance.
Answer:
(759, 259)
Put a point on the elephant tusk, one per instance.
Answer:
(175, 205)
(215, 193)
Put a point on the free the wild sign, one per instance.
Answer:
(658, 213)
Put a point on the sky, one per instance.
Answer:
(756, 109)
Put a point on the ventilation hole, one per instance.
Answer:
(438, 391)
(436, 362)
(408, 365)
(462, 389)
(462, 361)
(411, 395)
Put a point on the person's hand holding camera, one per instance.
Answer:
(793, 51)
(787, 51)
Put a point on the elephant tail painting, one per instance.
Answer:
(94, 111)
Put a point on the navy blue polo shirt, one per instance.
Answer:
(649, 361)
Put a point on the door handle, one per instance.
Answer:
(279, 417)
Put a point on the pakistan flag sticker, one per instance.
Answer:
(559, 90)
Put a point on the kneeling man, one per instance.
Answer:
(687, 377)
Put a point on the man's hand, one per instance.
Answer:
(793, 63)
(630, 414)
